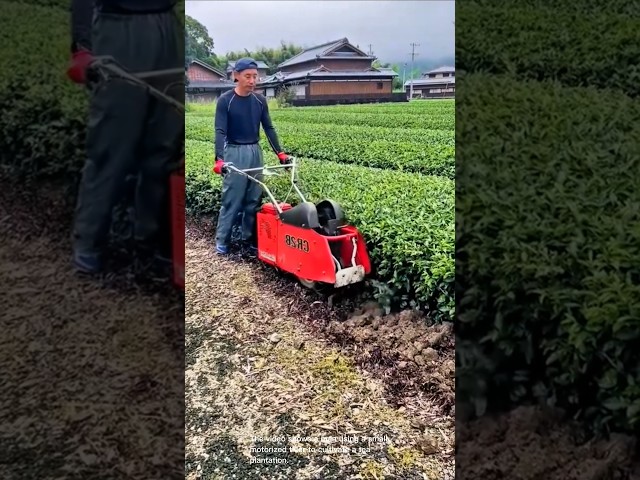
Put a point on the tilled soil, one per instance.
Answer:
(402, 349)
(92, 368)
(267, 357)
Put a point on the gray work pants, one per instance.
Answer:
(240, 195)
(129, 131)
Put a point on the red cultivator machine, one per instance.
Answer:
(310, 241)
(157, 83)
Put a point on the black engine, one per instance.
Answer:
(330, 217)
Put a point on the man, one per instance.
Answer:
(239, 113)
(129, 131)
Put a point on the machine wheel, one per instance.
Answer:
(310, 284)
(318, 287)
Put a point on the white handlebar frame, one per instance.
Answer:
(270, 170)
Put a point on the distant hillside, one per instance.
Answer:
(424, 64)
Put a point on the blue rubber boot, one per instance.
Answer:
(87, 263)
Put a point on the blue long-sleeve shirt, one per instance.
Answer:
(238, 121)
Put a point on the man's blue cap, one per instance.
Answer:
(244, 64)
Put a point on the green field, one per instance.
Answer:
(548, 217)
(390, 166)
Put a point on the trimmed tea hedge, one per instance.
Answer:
(427, 121)
(202, 129)
(347, 118)
(583, 7)
(44, 114)
(425, 108)
(431, 107)
(536, 43)
(548, 239)
(64, 5)
(202, 195)
(430, 152)
(407, 219)
(42, 127)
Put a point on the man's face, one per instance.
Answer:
(247, 79)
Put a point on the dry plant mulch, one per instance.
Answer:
(266, 358)
(92, 368)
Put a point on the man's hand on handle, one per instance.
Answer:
(284, 158)
(219, 166)
(80, 61)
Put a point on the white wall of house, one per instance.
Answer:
(441, 90)
(300, 90)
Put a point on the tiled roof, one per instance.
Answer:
(211, 85)
(317, 51)
(322, 73)
(207, 66)
(432, 81)
(443, 69)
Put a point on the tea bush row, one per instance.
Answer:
(407, 220)
(430, 152)
(549, 274)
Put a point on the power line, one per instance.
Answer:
(413, 54)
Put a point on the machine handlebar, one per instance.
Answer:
(293, 167)
(229, 166)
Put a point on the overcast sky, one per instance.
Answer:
(389, 26)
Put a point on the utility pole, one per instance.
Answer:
(413, 54)
(404, 69)
(370, 51)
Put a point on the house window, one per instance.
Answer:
(380, 85)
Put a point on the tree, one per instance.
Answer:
(199, 45)
(285, 97)
(397, 81)
(377, 64)
(217, 61)
(271, 56)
